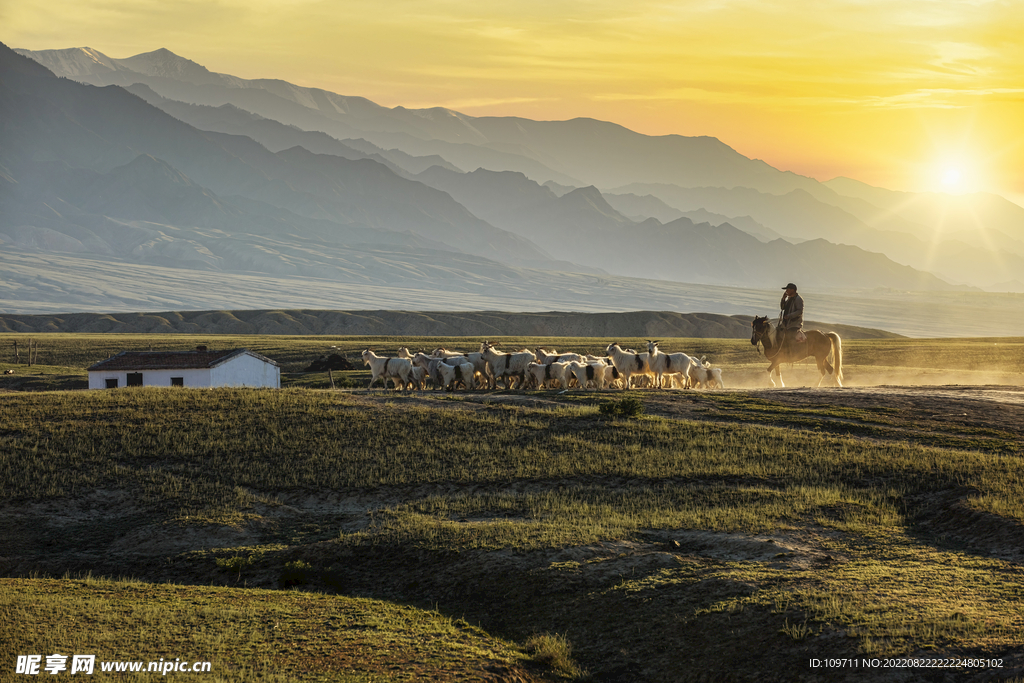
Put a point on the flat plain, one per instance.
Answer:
(318, 534)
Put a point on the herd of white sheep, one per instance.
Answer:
(524, 369)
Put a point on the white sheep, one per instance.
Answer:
(418, 376)
(703, 375)
(381, 367)
(446, 372)
(442, 374)
(668, 363)
(612, 378)
(508, 366)
(464, 373)
(541, 375)
(422, 361)
(545, 357)
(474, 357)
(589, 374)
(628, 363)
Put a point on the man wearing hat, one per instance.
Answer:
(792, 319)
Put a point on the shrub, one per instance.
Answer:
(554, 651)
(296, 573)
(233, 564)
(626, 407)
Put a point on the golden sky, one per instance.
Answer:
(908, 94)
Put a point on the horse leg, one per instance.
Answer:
(824, 368)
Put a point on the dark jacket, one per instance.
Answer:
(792, 312)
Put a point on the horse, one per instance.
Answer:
(827, 349)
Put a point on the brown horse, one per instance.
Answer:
(827, 349)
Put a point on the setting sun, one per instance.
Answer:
(951, 178)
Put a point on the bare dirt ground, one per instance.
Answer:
(925, 407)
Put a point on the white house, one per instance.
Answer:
(199, 368)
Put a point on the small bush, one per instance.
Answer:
(296, 573)
(233, 564)
(627, 407)
(554, 651)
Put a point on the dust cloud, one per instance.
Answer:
(806, 375)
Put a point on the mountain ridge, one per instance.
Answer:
(590, 152)
(412, 323)
(331, 224)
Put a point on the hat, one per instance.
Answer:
(790, 286)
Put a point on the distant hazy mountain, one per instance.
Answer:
(109, 201)
(419, 132)
(578, 152)
(58, 124)
(582, 226)
(276, 136)
(583, 152)
(640, 208)
(977, 217)
(798, 215)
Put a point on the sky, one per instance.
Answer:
(915, 95)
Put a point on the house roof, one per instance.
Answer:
(172, 360)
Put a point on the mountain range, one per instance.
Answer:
(155, 164)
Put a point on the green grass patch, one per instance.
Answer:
(219, 456)
(245, 635)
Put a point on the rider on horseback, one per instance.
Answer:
(791, 321)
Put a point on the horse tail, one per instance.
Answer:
(837, 357)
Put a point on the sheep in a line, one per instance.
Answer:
(524, 370)
(381, 367)
(506, 366)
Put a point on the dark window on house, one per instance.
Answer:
(134, 379)
(111, 383)
(177, 381)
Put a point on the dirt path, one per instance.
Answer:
(939, 408)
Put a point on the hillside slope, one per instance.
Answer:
(413, 323)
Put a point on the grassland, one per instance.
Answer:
(306, 534)
(248, 635)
